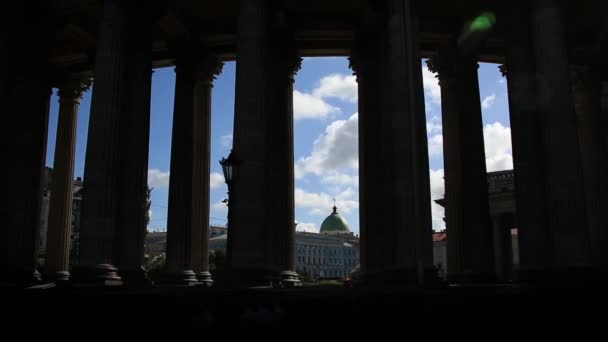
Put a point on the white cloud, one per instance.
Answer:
(437, 192)
(339, 86)
(307, 227)
(226, 140)
(320, 204)
(337, 178)
(158, 179)
(434, 126)
(334, 150)
(488, 101)
(216, 180)
(497, 139)
(432, 90)
(219, 206)
(307, 106)
(436, 146)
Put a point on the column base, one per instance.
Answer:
(58, 276)
(204, 278)
(136, 278)
(288, 279)
(401, 278)
(567, 277)
(181, 278)
(20, 278)
(239, 278)
(98, 275)
(471, 278)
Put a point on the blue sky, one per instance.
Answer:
(325, 129)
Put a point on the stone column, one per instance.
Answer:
(563, 176)
(60, 213)
(250, 259)
(520, 70)
(209, 68)
(503, 255)
(188, 222)
(281, 213)
(25, 104)
(102, 164)
(134, 141)
(399, 249)
(364, 62)
(470, 255)
(586, 92)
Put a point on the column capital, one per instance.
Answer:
(72, 86)
(196, 61)
(503, 69)
(447, 64)
(208, 68)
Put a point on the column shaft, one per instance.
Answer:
(209, 68)
(281, 214)
(470, 255)
(102, 164)
(398, 246)
(533, 235)
(563, 177)
(364, 62)
(503, 255)
(188, 225)
(134, 141)
(251, 251)
(60, 213)
(586, 92)
(25, 105)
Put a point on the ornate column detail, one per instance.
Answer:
(281, 212)
(100, 206)
(503, 70)
(470, 255)
(525, 119)
(188, 223)
(563, 174)
(60, 213)
(586, 95)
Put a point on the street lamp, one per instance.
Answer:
(228, 167)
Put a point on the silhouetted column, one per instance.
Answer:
(470, 255)
(134, 142)
(563, 176)
(503, 256)
(399, 248)
(524, 114)
(188, 221)
(586, 92)
(364, 62)
(24, 107)
(60, 212)
(209, 68)
(250, 259)
(281, 213)
(102, 164)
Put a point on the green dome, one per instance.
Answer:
(334, 223)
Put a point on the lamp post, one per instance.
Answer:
(228, 168)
